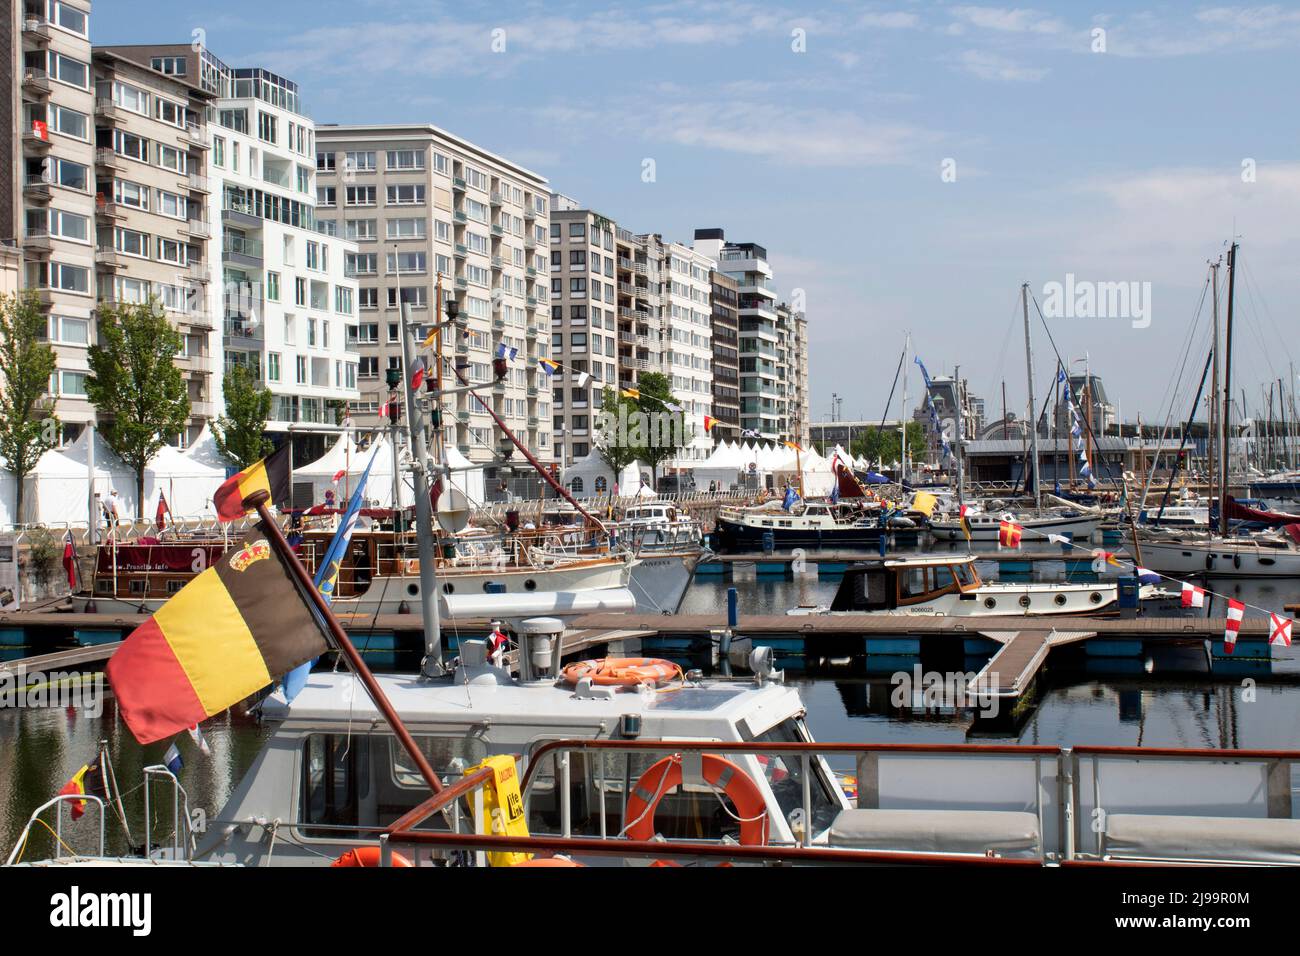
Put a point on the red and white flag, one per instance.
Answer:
(338, 475)
(70, 561)
(1279, 630)
(383, 410)
(1230, 628)
(1193, 596)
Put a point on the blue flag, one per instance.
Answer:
(173, 758)
(790, 498)
(327, 573)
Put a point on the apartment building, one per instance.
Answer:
(798, 394)
(763, 405)
(725, 324)
(425, 208)
(151, 198)
(282, 304)
(688, 354)
(50, 207)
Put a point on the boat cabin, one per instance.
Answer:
(886, 584)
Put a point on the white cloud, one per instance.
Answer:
(1009, 21)
(990, 66)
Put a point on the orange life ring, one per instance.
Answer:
(549, 861)
(728, 777)
(368, 856)
(623, 671)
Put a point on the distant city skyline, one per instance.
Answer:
(907, 165)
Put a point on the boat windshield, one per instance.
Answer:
(962, 574)
(785, 776)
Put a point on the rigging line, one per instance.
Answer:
(890, 401)
(1268, 314)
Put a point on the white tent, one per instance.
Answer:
(592, 476)
(189, 483)
(58, 484)
(344, 456)
(725, 466)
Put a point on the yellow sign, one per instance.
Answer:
(504, 806)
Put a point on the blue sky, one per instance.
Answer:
(1117, 165)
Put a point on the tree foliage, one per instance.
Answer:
(135, 384)
(667, 432)
(28, 427)
(886, 446)
(240, 433)
(612, 438)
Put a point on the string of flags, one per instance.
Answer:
(1192, 596)
(1076, 429)
(934, 413)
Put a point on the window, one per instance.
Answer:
(131, 146)
(130, 194)
(70, 71)
(170, 250)
(325, 162)
(236, 120)
(359, 229)
(58, 275)
(66, 225)
(399, 159)
(360, 195)
(405, 195)
(476, 210)
(173, 159)
(360, 263)
(168, 112)
(299, 291)
(368, 298)
(417, 297)
(273, 286)
(476, 178)
(131, 243)
(300, 369)
(273, 366)
(577, 230)
(173, 204)
(407, 262)
(70, 123)
(267, 127)
(441, 163)
(343, 300)
(327, 195)
(68, 17)
(368, 333)
(68, 330)
(368, 366)
(360, 162)
(405, 228)
(170, 65)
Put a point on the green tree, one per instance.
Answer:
(28, 427)
(240, 433)
(664, 431)
(616, 411)
(135, 384)
(885, 446)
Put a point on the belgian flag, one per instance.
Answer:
(88, 780)
(230, 632)
(271, 475)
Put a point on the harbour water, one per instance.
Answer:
(1168, 699)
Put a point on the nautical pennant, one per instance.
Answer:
(1279, 630)
(1193, 596)
(1009, 534)
(1233, 624)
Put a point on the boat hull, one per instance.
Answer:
(1220, 558)
(660, 580)
(1005, 600)
(1035, 531)
(735, 537)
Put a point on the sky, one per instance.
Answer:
(908, 165)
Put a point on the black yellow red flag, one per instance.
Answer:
(230, 632)
(271, 475)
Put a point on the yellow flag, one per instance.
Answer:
(924, 502)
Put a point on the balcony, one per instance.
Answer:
(199, 229)
(239, 327)
(36, 82)
(36, 31)
(241, 249)
(198, 271)
(531, 332)
(199, 184)
(195, 136)
(36, 144)
(106, 109)
(530, 243)
(530, 214)
(498, 232)
(495, 198)
(38, 242)
(105, 158)
(461, 250)
(460, 217)
(109, 260)
(458, 184)
(36, 189)
(498, 263)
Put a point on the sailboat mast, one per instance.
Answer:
(1033, 418)
(1227, 394)
(1214, 387)
(902, 413)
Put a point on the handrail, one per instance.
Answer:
(58, 824)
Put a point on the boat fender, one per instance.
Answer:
(1209, 562)
(1236, 561)
(718, 772)
(368, 855)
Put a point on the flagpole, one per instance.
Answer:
(258, 501)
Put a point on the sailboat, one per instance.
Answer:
(1268, 554)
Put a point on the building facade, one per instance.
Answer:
(726, 356)
(426, 210)
(51, 207)
(151, 196)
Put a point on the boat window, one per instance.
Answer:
(355, 784)
(913, 582)
(686, 813)
(785, 776)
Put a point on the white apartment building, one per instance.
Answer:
(688, 351)
(425, 208)
(51, 210)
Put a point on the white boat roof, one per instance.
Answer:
(693, 710)
(922, 560)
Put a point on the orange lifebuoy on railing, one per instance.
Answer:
(721, 773)
(623, 671)
(368, 856)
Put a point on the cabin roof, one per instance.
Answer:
(915, 561)
(338, 698)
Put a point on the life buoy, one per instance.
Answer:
(549, 861)
(368, 856)
(721, 773)
(622, 671)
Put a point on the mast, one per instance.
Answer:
(1033, 418)
(1227, 394)
(902, 413)
(1214, 385)
(961, 468)
(420, 466)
